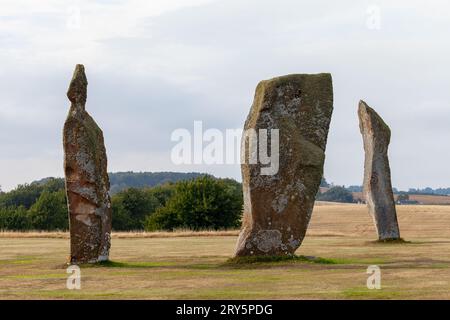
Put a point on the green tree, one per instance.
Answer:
(131, 207)
(50, 212)
(162, 193)
(16, 219)
(203, 203)
(27, 194)
(53, 184)
(165, 218)
(24, 195)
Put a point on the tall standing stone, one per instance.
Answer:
(377, 174)
(278, 207)
(87, 182)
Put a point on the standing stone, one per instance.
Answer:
(278, 207)
(87, 182)
(377, 174)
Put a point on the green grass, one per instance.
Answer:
(200, 268)
(364, 293)
(20, 260)
(331, 264)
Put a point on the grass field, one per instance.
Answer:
(159, 266)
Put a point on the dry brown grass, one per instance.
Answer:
(422, 199)
(34, 234)
(429, 199)
(175, 234)
(194, 267)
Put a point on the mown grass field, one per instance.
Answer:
(194, 267)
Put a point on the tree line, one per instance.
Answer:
(204, 202)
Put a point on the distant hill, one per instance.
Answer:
(124, 180)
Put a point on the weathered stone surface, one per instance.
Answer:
(87, 182)
(277, 208)
(377, 174)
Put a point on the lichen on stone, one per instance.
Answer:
(300, 107)
(87, 181)
(377, 186)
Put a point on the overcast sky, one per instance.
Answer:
(155, 66)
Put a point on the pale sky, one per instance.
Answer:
(155, 66)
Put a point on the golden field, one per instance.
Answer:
(189, 265)
(423, 199)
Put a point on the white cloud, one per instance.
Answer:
(154, 66)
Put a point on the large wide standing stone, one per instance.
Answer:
(377, 174)
(87, 182)
(278, 207)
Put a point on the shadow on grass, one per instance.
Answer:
(391, 241)
(237, 262)
(242, 262)
(140, 265)
(131, 265)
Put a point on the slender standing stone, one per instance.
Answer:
(377, 174)
(87, 182)
(278, 207)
